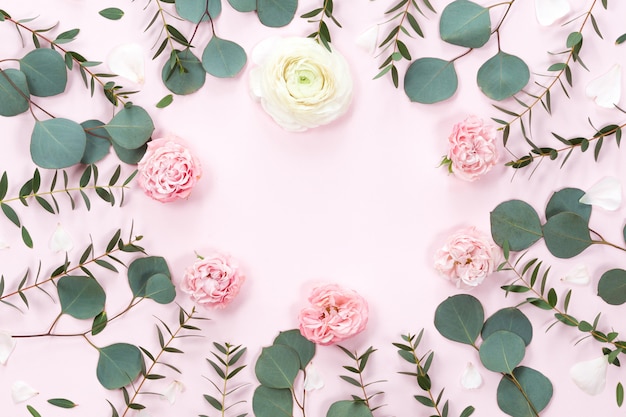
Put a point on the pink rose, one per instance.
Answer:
(467, 258)
(335, 314)
(168, 170)
(472, 149)
(213, 281)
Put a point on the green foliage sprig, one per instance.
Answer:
(407, 349)
(228, 356)
(57, 402)
(322, 34)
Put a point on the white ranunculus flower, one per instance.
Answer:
(300, 83)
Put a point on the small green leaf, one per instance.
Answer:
(32, 411)
(165, 101)
(510, 319)
(430, 80)
(270, 402)
(160, 289)
(612, 287)
(141, 270)
(62, 403)
(131, 127)
(99, 323)
(619, 394)
(502, 351)
(537, 388)
(567, 200)
(57, 143)
(111, 13)
(302, 346)
(502, 76)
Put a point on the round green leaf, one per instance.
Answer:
(159, 288)
(142, 269)
(303, 347)
(183, 82)
(80, 297)
(460, 318)
(510, 319)
(502, 351)
(465, 23)
(222, 58)
(12, 102)
(566, 235)
(130, 156)
(243, 5)
(131, 127)
(98, 141)
(516, 222)
(57, 143)
(612, 287)
(195, 10)
(270, 402)
(118, 365)
(567, 200)
(502, 76)
(430, 80)
(45, 72)
(277, 366)
(536, 386)
(276, 13)
(347, 408)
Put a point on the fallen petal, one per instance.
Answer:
(7, 344)
(173, 389)
(471, 378)
(368, 40)
(606, 90)
(61, 241)
(21, 391)
(590, 376)
(606, 193)
(127, 61)
(578, 275)
(313, 379)
(549, 11)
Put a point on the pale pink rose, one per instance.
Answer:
(168, 171)
(472, 149)
(467, 258)
(213, 281)
(335, 314)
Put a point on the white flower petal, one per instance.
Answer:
(313, 379)
(578, 275)
(21, 391)
(127, 61)
(7, 344)
(606, 193)
(368, 40)
(61, 241)
(606, 90)
(171, 392)
(590, 376)
(549, 11)
(471, 378)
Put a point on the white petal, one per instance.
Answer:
(7, 344)
(578, 275)
(61, 241)
(471, 378)
(127, 61)
(21, 391)
(143, 413)
(590, 376)
(549, 11)
(606, 193)
(606, 90)
(313, 379)
(368, 40)
(171, 392)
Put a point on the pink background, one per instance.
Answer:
(359, 202)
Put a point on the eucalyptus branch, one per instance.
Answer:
(25, 97)
(322, 34)
(171, 35)
(227, 355)
(361, 363)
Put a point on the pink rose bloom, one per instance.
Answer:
(168, 170)
(467, 258)
(472, 149)
(335, 314)
(213, 281)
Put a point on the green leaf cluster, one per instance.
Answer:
(322, 34)
(226, 368)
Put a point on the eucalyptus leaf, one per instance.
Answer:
(196, 10)
(98, 141)
(243, 5)
(567, 200)
(510, 319)
(186, 81)
(502, 76)
(130, 156)
(12, 101)
(276, 13)
(348, 408)
(612, 286)
(516, 222)
(502, 351)
(81, 297)
(112, 13)
(131, 127)
(57, 143)
(45, 72)
(303, 347)
(118, 365)
(142, 269)
(270, 402)
(536, 386)
(223, 58)
(465, 23)
(277, 366)
(430, 80)
(159, 288)
(566, 235)
(460, 318)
